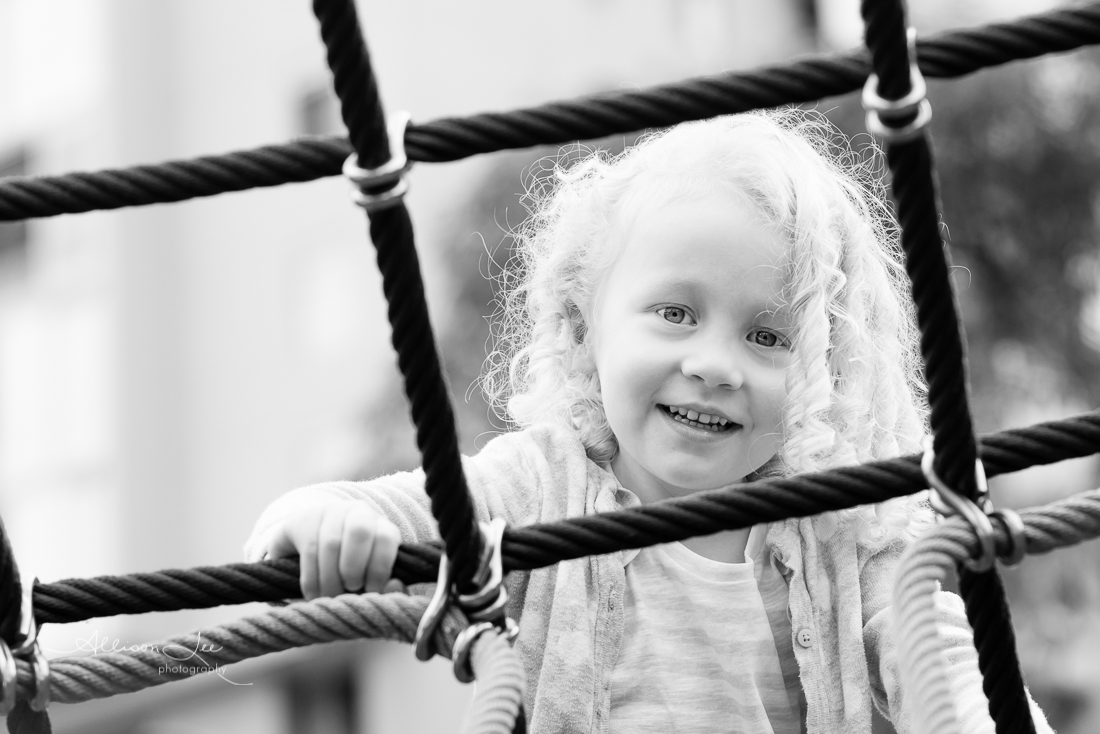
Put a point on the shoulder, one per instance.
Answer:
(531, 475)
(536, 448)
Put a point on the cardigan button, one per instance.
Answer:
(806, 637)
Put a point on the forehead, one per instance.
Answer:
(712, 241)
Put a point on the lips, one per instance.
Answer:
(697, 419)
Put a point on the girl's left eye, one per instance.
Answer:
(766, 338)
(675, 314)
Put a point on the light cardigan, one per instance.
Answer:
(571, 614)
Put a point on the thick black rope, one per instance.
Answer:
(11, 590)
(73, 600)
(944, 55)
(354, 82)
(21, 719)
(926, 259)
(536, 546)
(943, 347)
(995, 639)
(417, 356)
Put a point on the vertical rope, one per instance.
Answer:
(1002, 681)
(501, 682)
(926, 259)
(11, 590)
(942, 343)
(392, 235)
(21, 720)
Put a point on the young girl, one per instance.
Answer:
(723, 301)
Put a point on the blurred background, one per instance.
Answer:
(167, 371)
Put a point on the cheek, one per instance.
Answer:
(773, 401)
(630, 380)
(633, 376)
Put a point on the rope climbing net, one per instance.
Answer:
(465, 618)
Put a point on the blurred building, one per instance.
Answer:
(165, 372)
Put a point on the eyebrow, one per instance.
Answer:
(779, 310)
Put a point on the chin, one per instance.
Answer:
(694, 482)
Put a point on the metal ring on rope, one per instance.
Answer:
(898, 120)
(26, 646)
(485, 606)
(385, 186)
(947, 502)
(1017, 536)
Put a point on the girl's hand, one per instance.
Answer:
(344, 546)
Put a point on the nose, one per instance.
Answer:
(716, 364)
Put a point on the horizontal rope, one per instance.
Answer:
(743, 506)
(500, 686)
(349, 617)
(927, 563)
(544, 544)
(72, 600)
(943, 55)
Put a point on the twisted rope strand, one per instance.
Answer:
(943, 347)
(926, 259)
(411, 332)
(500, 672)
(497, 700)
(1002, 680)
(353, 80)
(541, 545)
(926, 563)
(944, 55)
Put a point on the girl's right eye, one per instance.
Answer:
(675, 314)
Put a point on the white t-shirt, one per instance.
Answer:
(698, 653)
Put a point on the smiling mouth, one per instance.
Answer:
(703, 421)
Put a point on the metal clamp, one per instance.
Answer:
(1016, 536)
(8, 679)
(368, 181)
(882, 111)
(484, 606)
(433, 615)
(464, 645)
(487, 603)
(26, 646)
(947, 502)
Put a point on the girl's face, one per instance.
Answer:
(691, 342)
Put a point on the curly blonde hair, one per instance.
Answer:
(853, 382)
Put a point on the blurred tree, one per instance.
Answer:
(1018, 155)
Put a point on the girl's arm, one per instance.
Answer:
(509, 478)
(400, 498)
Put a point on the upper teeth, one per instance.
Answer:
(694, 415)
